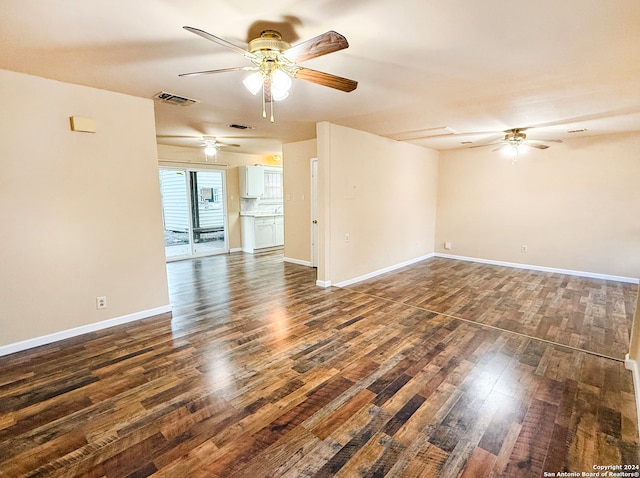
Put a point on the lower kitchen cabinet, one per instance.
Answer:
(279, 223)
(259, 232)
(265, 232)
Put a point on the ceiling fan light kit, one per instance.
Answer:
(210, 148)
(274, 64)
(515, 144)
(274, 70)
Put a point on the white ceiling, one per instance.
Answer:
(422, 65)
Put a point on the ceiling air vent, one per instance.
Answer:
(174, 99)
(240, 126)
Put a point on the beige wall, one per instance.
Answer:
(634, 347)
(80, 212)
(576, 205)
(380, 192)
(297, 205)
(182, 157)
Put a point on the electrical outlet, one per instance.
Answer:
(523, 248)
(346, 238)
(101, 302)
(447, 246)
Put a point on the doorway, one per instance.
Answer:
(194, 212)
(314, 212)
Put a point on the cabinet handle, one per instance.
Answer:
(314, 221)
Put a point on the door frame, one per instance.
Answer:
(313, 203)
(225, 216)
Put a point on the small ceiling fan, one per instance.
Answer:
(515, 140)
(210, 144)
(275, 63)
(516, 137)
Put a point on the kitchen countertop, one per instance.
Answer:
(260, 213)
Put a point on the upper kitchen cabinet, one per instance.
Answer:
(251, 181)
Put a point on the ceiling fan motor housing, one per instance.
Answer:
(267, 51)
(515, 137)
(269, 41)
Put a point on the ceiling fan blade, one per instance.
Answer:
(225, 145)
(173, 136)
(214, 140)
(202, 139)
(222, 70)
(539, 146)
(547, 140)
(219, 41)
(321, 45)
(486, 144)
(326, 79)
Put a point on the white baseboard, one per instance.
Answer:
(323, 283)
(66, 334)
(297, 261)
(517, 265)
(383, 271)
(633, 366)
(235, 249)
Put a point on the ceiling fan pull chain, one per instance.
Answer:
(264, 106)
(271, 108)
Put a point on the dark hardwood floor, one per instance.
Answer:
(592, 315)
(443, 368)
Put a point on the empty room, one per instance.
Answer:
(320, 239)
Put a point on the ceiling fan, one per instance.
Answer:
(275, 63)
(516, 137)
(515, 140)
(209, 143)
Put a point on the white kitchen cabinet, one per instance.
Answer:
(279, 230)
(259, 232)
(251, 181)
(265, 231)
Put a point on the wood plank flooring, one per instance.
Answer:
(589, 314)
(437, 369)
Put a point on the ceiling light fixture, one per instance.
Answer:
(514, 144)
(274, 70)
(210, 148)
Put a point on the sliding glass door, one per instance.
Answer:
(194, 212)
(175, 212)
(208, 212)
